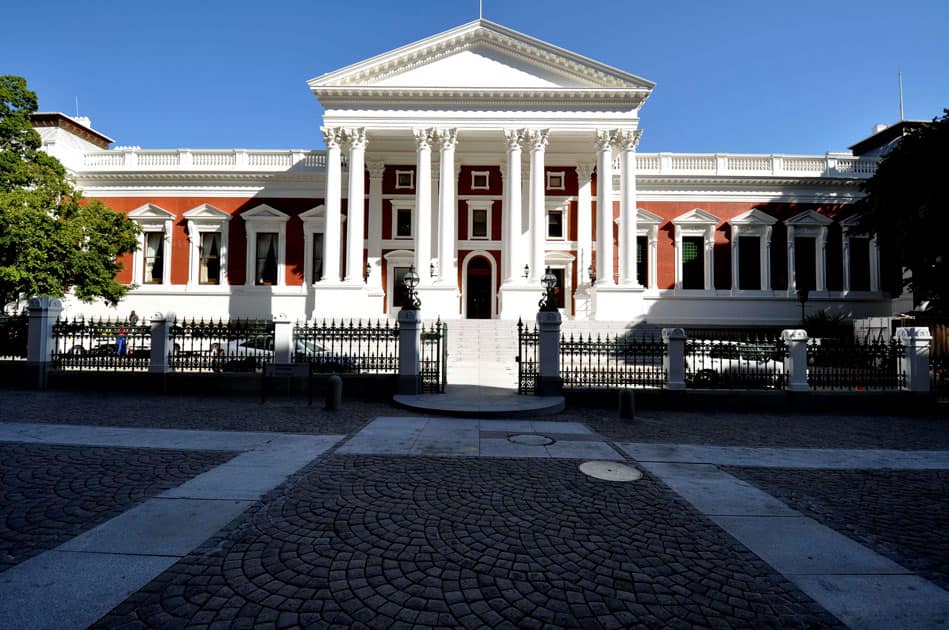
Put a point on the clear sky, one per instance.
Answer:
(807, 76)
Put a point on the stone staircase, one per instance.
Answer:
(482, 352)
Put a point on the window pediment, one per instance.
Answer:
(645, 217)
(206, 213)
(809, 218)
(697, 218)
(150, 212)
(752, 218)
(264, 213)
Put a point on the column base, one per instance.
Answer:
(519, 301)
(617, 303)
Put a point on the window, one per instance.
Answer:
(559, 288)
(404, 179)
(400, 294)
(749, 263)
(316, 269)
(805, 262)
(266, 258)
(860, 264)
(479, 223)
(154, 257)
(555, 225)
(480, 180)
(642, 260)
(556, 180)
(209, 265)
(693, 262)
(403, 222)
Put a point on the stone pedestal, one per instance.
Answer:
(410, 324)
(161, 343)
(915, 360)
(795, 364)
(674, 361)
(44, 312)
(548, 378)
(283, 340)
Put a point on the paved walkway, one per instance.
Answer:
(452, 522)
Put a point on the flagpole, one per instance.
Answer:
(901, 96)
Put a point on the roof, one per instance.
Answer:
(884, 137)
(73, 126)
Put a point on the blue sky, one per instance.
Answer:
(759, 77)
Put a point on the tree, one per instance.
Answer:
(51, 239)
(906, 208)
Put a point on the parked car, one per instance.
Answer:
(735, 364)
(250, 354)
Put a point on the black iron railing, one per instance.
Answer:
(101, 345)
(834, 364)
(528, 361)
(612, 361)
(433, 357)
(370, 347)
(750, 362)
(13, 336)
(221, 346)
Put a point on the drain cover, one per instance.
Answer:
(531, 439)
(610, 471)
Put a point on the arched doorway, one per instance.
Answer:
(479, 284)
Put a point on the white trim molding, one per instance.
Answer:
(757, 224)
(264, 219)
(205, 219)
(314, 222)
(152, 218)
(808, 224)
(848, 227)
(494, 281)
(647, 224)
(696, 223)
(479, 204)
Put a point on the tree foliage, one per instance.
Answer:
(906, 208)
(51, 239)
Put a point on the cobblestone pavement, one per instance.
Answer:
(49, 494)
(388, 542)
(293, 415)
(903, 515)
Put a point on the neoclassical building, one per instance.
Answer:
(482, 156)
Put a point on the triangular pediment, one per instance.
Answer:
(480, 55)
(646, 217)
(314, 214)
(809, 217)
(753, 217)
(696, 217)
(206, 212)
(151, 212)
(263, 212)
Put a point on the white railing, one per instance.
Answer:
(136, 159)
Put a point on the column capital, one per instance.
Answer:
(513, 138)
(627, 139)
(423, 138)
(603, 140)
(376, 168)
(332, 136)
(584, 171)
(446, 139)
(537, 138)
(355, 137)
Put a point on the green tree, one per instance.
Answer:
(51, 239)
(906, 208)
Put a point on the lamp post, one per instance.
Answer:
(591, 272)
(802, 294)
(548, 302)
(411, 281)
(527, 271)
(366, 272)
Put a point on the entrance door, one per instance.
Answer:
(478, 298)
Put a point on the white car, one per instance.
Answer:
(734, 364)
(250, 354)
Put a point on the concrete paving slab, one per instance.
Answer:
(880, 602)
(560, 428)
(802, 546)
(582, 450)
(160, 527)
(789, 457)
(714, 492)
(503, 448)
(63, 590)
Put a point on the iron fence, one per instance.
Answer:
(612, 362)
(750, 362)
(242, 345)
(528, 358)
(100, 345)
(357, 347)
(13, 336)
(939, 375)
(834, 364)
(433, 359)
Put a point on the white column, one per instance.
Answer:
(512, 259)
(423, 205)
(538, 200)
(845, 250)
(447, 209)
(874, 265)
(628, 140)
(604, 208)
(376, 171)
(821, 262)
(766, 259)
(331, 236)
(736, 263)
(653, 240)
(584, 221)
(709, 258)
(356, 140)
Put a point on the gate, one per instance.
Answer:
(433, 360)
(527, 359)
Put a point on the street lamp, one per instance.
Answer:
(802, 294)
(366, 272)
(410, 281)
(527, 271)
(591, 271)
(548, 302)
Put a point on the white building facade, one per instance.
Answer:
(482, 156)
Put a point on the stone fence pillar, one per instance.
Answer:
(795, 363)
(44, 312)
(282, 340)
(548, 378)
(410, 323)
(674, 360)
(161, 343)
(915, 360)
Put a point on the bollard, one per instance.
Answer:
(334, 392)
(627, 404)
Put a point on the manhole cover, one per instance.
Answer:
(610, 471)
(531, 439)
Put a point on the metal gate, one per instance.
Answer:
(433, 362)
(527, 358)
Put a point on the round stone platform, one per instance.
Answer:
(478, 401)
